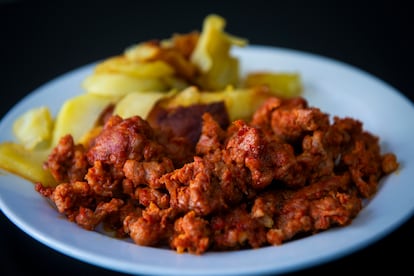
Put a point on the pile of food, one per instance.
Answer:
(171, 147)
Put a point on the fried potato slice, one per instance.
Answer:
(118, 84)
(138, 103)
(15, 158)
(175, 51)
(143, 52)
(212, 55)
(33, 129)
(123, 65)
(282, 84)
(79, 115)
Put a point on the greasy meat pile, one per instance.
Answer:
(287, 173)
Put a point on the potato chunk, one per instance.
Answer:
(212, 55)
(123, 65)
(138, 103)
(284, 85)
(34, 128)
(119, 84)
(78, 116)
(15, 158)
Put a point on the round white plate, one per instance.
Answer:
(335, 87)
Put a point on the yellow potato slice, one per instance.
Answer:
(16, 159)
(242, 103)
(186, 97)
(138, 103)
(121, 64)
(118, 85)
(78, 116)
(142, 52)
(212, 55)
(282, 84)
(34, 128)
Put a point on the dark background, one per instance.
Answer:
(40, 40)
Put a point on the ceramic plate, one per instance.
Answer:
(334, 87)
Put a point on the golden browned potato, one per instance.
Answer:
(118, 84)
(281, 84)
(79, 115)
(138, 103)
(212, 55)
(123, 65)
(15, 158)
(33, 129)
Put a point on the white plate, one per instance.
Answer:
(335, 87)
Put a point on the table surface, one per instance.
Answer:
(41, 40)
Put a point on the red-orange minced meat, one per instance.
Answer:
(289, 172)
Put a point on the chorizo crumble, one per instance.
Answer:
(288, 173)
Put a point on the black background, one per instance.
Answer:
(40, 40)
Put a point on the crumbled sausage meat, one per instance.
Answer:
(287, 173)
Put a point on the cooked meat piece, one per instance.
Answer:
(79, 204)
(194, 187)
(330, 202)
(293, 124)
(123, 139)
(147, 196)
(68, 197)
(389, 163)
(291, 119)
(67, 162)
(359, 153)
(262, 117)
(212, 136)
(178, 149)
(265, 159)
(364, 163)
(237, 229)
(153, 227)
(147, 173)
(266, 206)
(316, 158)
(90, 219)
(247, 148)
(187, 121)
(191, 234)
